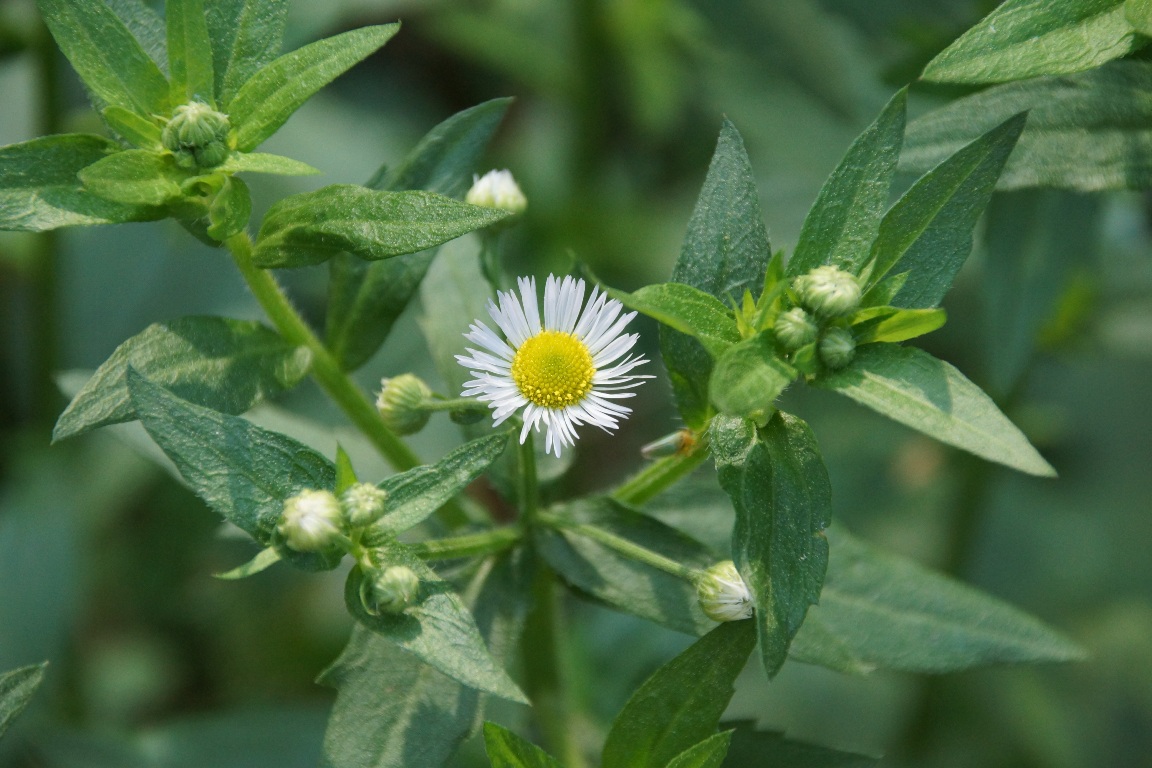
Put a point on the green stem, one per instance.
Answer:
(659, 475)
(454, 404)
(470, 545)
(625, 547)
(325, 369)
(529, 490)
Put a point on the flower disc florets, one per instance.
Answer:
(497, 189)
(723, 594)
(311, 521)
(828, 291)
(197, 135)
(560, 372)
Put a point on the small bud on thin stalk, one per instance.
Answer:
(311, 521)
(723, 594)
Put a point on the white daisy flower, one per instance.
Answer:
(568, 370)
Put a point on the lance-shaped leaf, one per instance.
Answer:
(1028, 38)
(573, 544)
(1139, 15)
(312, 227)
(845, 218)
(262, 162)
(688, 310)
(437, 627)
(39, 189)
(749, 377)
(140, 132)
(912, 387)
(147, 26)
(270, 96)
(226, 365)
(725, 253)
(135, 177)
(1088, 132)
(417, 493)
(189, 53)
(928, 232)
(881, 610)
(107, 57)
(779, 488)
(680, 705)
(364, 300)
(241, 471)
(752, 747)
(246, 35)
(707, 754)
(16, 689)
(890, 324)
(507, 750)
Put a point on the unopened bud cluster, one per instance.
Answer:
(197, 135)
(401, 403)
(722, 593)
(826, 295)
(314, 521)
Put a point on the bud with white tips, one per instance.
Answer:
(837, 348)
(497, 189)
(363, 504)
(828, 291)
(197, 135)
(395, 588)
(401, 403)
(311, 521)
(795, 328)
(723, 594)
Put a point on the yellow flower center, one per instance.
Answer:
(553, 369)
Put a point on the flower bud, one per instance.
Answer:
(395, 588)
(723, 594)
(828, 291)
(311, 521)
(363, 504)
(401, 403)
(497, 189)
(679, 443)
(197, 135)
(837, 348)
(795, 328)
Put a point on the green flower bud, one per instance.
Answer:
(311, 521)
(497, 189)
(197, 135)
(723, 594)
(828, 291)
(679, 443)
(837, 348)
(795, 328)
(395, 588)
(363, 504)
(401, 403)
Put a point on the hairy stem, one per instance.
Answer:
(470, 545)
(625, 547)
(660, 475)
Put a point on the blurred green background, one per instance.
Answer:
(106, 561)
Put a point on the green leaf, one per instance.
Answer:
(271, 95)
(16, 689)
(453, 295)
(928, 232)
(147, 26)
(621, 582)
(246, 35)
(265, 558)
(226, 365)
(752, 747)
(241, 471)
(417, 493)
(107, 57)
(890, 324)
(885, 611)
(779, 488)
(707, 754)
(189, 53)
(687, 310)
(507, 750)
(345, 472)
(261, 162)
(312, 227)
(138, 131)
(437, 628)
(845, 218)
(1028, 38)
(39, 189)
(749, 377)
(725, 253)
(910, 386)
(135, 177)
(1138, 13)
(681, 704)
(365, 300)
(1088, 132)
(229, 210)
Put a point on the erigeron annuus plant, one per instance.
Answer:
(740, 325)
